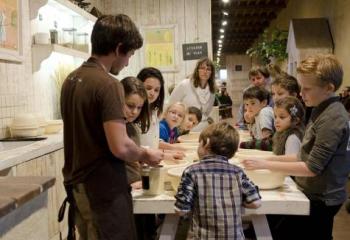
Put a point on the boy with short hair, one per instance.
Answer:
(323, 164)
(258, 114)
(193, 118)
(214, 190)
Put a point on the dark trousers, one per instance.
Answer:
(318, 225)
(146, 226)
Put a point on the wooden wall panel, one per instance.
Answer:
(192, 18)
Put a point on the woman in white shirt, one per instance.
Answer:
(198, 90)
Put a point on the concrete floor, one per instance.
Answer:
(341, 229)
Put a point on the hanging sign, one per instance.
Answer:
(192, 51)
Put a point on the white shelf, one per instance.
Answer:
(61, 5)
(40, 52)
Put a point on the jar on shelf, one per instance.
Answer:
(68, 37)
(81, 42)
(54, 36)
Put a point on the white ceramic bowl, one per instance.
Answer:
(191, 156)
(53, 126)
(174, 163)
(188, 146)
(41, 122)
(247, 153)
(191, 137)
(25, 120)
(24, 132)
(174, 176)
(266, 179)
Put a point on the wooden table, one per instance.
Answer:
(287, 200)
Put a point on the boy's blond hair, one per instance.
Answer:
(325, 67)
(223, 139)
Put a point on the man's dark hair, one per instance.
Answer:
(111, 30)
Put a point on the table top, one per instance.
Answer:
(284, 200)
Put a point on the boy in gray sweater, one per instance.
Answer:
(323, 164)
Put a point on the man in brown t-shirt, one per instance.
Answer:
(96, 144)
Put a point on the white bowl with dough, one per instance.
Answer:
(174, 176)
(188, 146)
(191, 156)
(266, 179)
(190, 137)
(53, 126)
(247, 153)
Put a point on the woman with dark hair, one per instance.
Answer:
(198, 90)
(154, 84)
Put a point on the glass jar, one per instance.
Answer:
(54, 36)
(145, 177)
(68, 37)
(81, 42)
(153, 180)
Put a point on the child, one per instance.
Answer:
(173, 118)
(136, 113)
(283, 86)
(154, 85)
(153, 81)
(258, 113)
(289, 125)
(323, 164)
(258, 77)
(192, 118)
(286, 85)
(215, 191)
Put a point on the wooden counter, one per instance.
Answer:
(24, 207)
(41, 158)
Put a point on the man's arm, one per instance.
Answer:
(124, 148)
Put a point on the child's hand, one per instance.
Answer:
(249, 117)
(174, 155)
(178, 155)
(254, 163)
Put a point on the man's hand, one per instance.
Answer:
(153, 157)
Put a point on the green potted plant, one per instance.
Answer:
(271, 46)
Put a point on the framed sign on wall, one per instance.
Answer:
(160, 47)
(11, 30)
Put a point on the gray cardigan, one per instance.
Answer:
(326, 151)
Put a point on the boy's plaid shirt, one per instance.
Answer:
(214, 191)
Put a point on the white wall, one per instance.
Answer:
(337, 12)
(18, 91)
(21, 91)
(193, 20)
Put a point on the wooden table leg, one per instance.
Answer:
(169, 227)
(261, 227)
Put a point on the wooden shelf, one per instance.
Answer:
(40, 52)
(61, 5)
